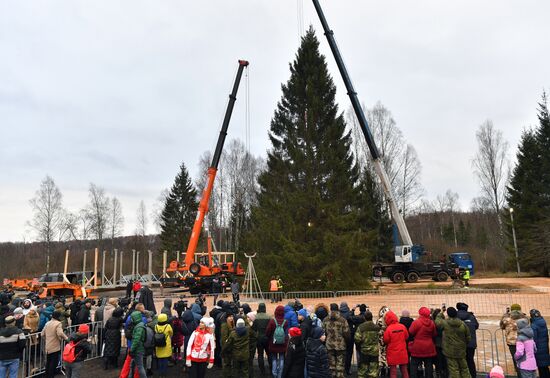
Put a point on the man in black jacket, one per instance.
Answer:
(84, 315)
(81, 350)
(12, 343)
(146, 297)
(471, 322)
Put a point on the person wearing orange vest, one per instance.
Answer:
(274, 288)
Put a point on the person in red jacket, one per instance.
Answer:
(395, 337)
(277, 351)
(422, 348)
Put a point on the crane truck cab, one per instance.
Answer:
(408, 253)
(463, 260)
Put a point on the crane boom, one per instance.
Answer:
(377, 160)
(213, 169)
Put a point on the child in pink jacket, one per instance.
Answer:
(525, 350)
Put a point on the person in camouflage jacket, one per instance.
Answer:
(337, 331)
(456, 337)
(366, 339)
(508, 324)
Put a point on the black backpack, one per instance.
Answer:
(160, 337)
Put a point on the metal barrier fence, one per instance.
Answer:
(484, 302)
(33, 362)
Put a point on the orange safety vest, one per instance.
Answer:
(273, 285)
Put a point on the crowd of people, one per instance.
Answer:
(292, 342)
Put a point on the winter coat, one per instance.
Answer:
(83, 316)
(295, 359)
(237, 344)
(471, 322)
(225, 331)
(189, 324)
(45, 316)
(337, 331)
(112, 337)
(291, 317)
(53, 334)
(395, 337)
(456, 336)
(366, 338)
(321, 310)
(525, 347)
(508, 324)
(82, 348)
(177, 337)
(422, 333)
(12, 343)
(107, 313)
(201, 346)
(540, 336)
(197, 312)
(165, 351)
(167, 309)
(407, 321)
(216, 285)
(260, 325)
(270, 330)
(64, 318)
(146, 297)
(305, 327)
(31, 321)
(138, 333)
(317, 359)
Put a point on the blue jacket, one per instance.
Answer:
(291, 317)
(45, 316)
(540, 331)
(127, 323)
(197, 313)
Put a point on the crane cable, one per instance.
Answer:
(247, 110)
(300, 17)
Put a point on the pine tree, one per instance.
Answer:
(529, 194)
(306, 226)
(179, 213)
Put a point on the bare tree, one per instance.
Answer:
(410, 190)
(399, 158)
(98, 213)
(141, 223)
(47, 206)
(452, 205)
(491, 164)
(116, 221)
(158, 206)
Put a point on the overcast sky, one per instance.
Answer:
(119, 93)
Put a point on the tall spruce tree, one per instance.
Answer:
(307, 224)
(529, 195)
(179, 213)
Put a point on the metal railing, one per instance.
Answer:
(33, 361)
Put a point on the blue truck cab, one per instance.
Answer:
(463, 260)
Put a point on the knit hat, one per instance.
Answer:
(333, 307)
(163, 318)
(451, 311)
(56, 315)
(515, 307)
(83, 329)
(240, 323)
(9, 320)
(405, 314)
(261, 307)
(496, 372)
(295, 332)
(208, 321)
(362, 308)
(18, 311)
(462, 306)
(251, 316)
(303, 312)
(317, 332)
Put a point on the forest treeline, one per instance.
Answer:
(313, 209)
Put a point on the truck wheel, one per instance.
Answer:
(195, 269)
(442, 276)
(412, 277)
(398, 277)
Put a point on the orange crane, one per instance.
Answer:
(196, 276)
